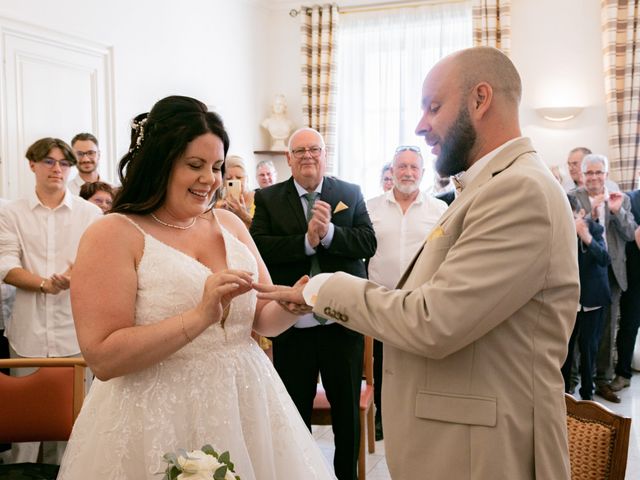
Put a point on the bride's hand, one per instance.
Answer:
(219, 289)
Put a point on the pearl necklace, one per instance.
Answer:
(174, 226)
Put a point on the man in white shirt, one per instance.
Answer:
(85, 146)
(401, 217)
(39, 237)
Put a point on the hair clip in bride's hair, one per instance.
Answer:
(138, 127)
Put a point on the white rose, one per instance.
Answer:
(202, 475)
(229, 476)
(197, 462)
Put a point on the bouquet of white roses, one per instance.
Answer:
(203, 464)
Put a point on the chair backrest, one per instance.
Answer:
(43, 405)
(598, 440)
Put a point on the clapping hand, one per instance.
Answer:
(58, 282)
(289, 298)
(596, 202)
(582, 227)
(219, 289)
(319, 222)
(615, 202)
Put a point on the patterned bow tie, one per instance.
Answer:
(458, 184)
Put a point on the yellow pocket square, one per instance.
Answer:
(435, 233)
(340, 207)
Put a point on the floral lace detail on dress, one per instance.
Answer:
(219, 389)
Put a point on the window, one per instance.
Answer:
(383, 58)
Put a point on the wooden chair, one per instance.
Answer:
(41, 406)
(598, 440)
(321, 414)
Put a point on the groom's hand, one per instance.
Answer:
(289, 298)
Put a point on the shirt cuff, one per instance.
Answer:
(308, 249)
(311, 289)
(328, 238)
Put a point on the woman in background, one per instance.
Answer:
(242, 205)
(99, 193)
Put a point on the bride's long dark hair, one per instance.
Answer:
(158, 139)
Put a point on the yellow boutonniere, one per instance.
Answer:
(340, 207)
(435, 233)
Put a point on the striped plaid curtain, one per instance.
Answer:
(621, 41)
(319, 26)
(492, 24)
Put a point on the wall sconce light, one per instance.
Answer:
(559, 114)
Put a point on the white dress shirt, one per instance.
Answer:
(75, 184)
(399, 235)
(43, 241)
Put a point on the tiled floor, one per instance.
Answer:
(630, 407)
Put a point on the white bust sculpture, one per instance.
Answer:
(278, 125)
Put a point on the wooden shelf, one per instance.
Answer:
(269, 152)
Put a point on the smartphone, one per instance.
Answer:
(233, 188)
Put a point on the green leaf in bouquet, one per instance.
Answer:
(208, 449)
(225, 458)
(171, 473)
(220, 473)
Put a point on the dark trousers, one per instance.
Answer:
(586, 333)
(334, 352)
(377, 378)
(604, 360)
(629, 322)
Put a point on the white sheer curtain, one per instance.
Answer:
(382, 60)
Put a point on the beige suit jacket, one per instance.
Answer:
(477, 332)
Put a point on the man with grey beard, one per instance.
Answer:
(401, 217)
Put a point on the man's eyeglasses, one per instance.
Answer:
(299, 152)
(90, 154)
(598, 173)
(50, 163)
(404, 148)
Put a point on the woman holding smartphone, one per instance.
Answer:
(237, 197)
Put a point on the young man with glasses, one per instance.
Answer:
(85, 146)
(39, 237)
(612, 210)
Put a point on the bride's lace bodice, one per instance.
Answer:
(171, 282)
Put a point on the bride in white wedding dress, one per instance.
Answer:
(163, 303)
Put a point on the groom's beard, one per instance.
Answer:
(456, 147)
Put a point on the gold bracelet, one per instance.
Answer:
(42, 286)
(184, 330)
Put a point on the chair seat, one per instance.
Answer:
(29, 471)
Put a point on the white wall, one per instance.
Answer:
(556, 46)
(213, 50)
(236, 55)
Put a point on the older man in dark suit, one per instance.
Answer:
(306, 225)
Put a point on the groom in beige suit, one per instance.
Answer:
(477, 328)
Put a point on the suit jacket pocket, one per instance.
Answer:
(455, 408)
